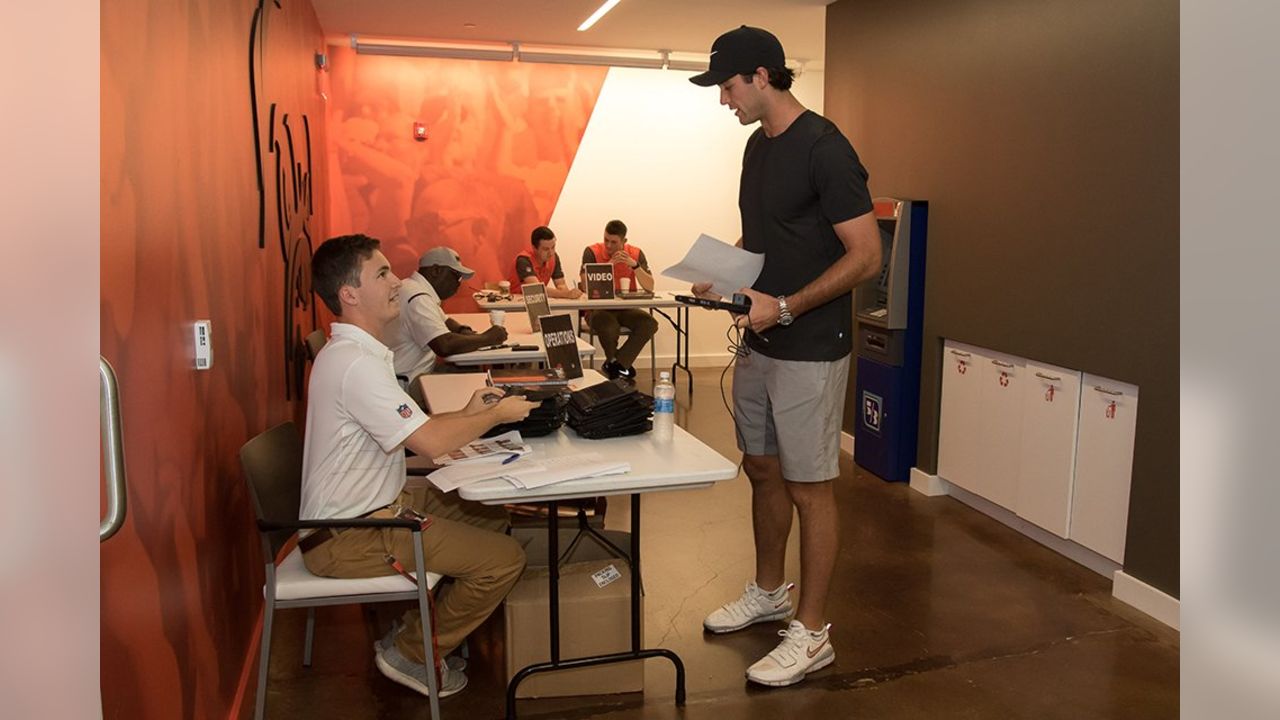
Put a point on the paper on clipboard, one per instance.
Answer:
(727, 267)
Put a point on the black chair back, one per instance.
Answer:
(272, 464)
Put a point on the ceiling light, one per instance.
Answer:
(595, 16)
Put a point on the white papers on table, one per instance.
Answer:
(727, 267)
(561, 469)
(452, 477)
(496, 448)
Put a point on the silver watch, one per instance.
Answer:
(784, 313)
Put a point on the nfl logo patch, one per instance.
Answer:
(405, 411)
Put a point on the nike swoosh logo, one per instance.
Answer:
(814, 652)
(713, 52)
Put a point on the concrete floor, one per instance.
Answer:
(937, 612)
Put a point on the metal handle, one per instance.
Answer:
(1050, 379)
(1002, 364)
(112, 451)
(960, 354)
(1105, 391)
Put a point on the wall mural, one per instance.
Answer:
(288, 193)
(500, 138)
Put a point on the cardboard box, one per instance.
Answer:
(594, 620)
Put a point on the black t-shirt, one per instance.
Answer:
(524, 268)
(794, 188)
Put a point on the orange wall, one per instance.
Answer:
(501, 139)
(181, 583)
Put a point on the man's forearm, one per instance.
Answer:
(838, 279)
(456, 344)
(645, 278)
(447, 432)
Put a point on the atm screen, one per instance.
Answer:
(887, 228)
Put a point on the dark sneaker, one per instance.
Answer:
(612, 369)
(628, 372)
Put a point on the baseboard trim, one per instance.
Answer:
(1073, 551)
(846, 443)
(1147, 599)
(928, 484)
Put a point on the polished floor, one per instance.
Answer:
(937, 612)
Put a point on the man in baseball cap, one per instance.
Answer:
(740, 52)
(806, 208)
(424, 331)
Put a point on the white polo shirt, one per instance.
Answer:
(357, 419)
(421, 321)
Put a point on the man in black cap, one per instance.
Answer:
(805, 205)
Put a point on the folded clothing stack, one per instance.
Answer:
(610, 409)
(544, 419)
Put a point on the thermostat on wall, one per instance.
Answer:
(204, 345)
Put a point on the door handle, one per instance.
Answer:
(112, 450)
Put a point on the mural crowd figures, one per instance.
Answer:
(288, 157)
(502, 139)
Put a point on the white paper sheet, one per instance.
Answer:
(727, 267)
(496, 448)
(452, 477)
(570, 467)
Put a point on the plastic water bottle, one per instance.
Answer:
(664, 407)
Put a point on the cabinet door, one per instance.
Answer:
(1104, 465)
(1000, 432)
(960, 415)
(1046, 466)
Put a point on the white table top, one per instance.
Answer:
(518, 331)
(681, 463)
(660, 299)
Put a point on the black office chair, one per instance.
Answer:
(272, 464)
(314, 341)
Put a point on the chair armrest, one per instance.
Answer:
(268, 525)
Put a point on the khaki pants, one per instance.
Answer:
(607, 324)
(465, 542)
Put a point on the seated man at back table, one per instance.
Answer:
(629, 264)
(541, 264)
(423, 331)
(359, 422)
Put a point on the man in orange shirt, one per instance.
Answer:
(541, 264)
(629, 264)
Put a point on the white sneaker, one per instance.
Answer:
(410, 674)
(800, 653)
(457, 663)
(754, 606)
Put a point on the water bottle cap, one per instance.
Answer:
(664, 375)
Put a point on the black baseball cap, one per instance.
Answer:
(740, 52)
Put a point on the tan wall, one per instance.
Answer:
(182, 581)
(1045, 137)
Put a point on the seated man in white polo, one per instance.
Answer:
(359, 422)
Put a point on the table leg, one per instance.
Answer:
(636, 652)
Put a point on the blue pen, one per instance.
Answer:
(511, 458)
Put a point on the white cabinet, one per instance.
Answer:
(1050, 444)
(1000, 429)
(1047, 457)
(1104, 464)
(958, 431)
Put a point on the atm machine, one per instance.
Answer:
(889, 318)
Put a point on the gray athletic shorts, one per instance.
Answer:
(792, 409)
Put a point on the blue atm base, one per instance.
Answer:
(885, 433)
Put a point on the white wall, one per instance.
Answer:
(662, 155)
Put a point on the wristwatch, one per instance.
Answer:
(784, 313)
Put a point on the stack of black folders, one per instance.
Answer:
(548, 388)
(610, 409)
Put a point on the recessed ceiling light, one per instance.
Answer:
(606, 7)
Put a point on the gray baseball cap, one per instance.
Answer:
(447, 257)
